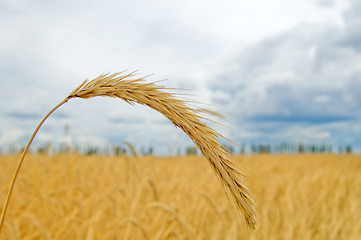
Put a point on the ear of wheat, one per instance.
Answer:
(136, 90)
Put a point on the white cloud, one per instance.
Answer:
(11, 136)
(45, 137)
(301, 133)
(89, 140)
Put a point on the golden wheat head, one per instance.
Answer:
(182, 116)
(179, 113)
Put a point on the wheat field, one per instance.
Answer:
(121, 197)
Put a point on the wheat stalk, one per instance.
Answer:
(179, 113)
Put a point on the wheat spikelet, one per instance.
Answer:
(132, 149)
(179, 113)
(182, 116)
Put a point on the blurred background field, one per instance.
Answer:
(71, 196)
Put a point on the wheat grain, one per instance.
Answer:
(182, 116)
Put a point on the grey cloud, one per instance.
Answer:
(352, 14)
(289, 71)
(311, 119)
(351, 34)
(308, 76)
(294, 99)
(352, 37)
(23, 115)
(60, 115)
(125, 120)
(162, 121)
(353, 88)
(325, 3)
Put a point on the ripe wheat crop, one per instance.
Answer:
(300, 197)
(180, 114)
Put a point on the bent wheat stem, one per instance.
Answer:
(16, 173)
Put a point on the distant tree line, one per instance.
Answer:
(296, 148)
(123, 149)
(278, 148)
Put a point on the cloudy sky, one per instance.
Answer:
(280, 71)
